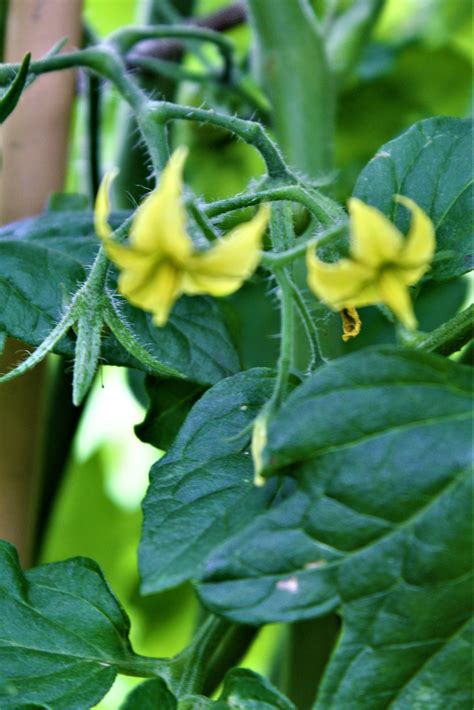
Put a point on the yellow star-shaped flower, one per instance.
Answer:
(160, 263)
(382, 264)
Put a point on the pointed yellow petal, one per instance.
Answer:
(343, 284)
(420, 243)
(160, 224)
(156, 292)
(126, 257)
(102, 205)
(374, 239)
(395, 295)
(230, 261)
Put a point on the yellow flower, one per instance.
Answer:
(382, 264)
(159, 263)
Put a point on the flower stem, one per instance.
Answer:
(273, 260)
(326, 211)
(451, 336)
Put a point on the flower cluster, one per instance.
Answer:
(160, 261)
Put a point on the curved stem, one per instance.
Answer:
(125, 38)
(310, 329)
(272, 260)
(251, 132)
(189, 667)
(324, 209)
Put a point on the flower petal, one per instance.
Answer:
(395, 295)
(230, 261)
(102, 205)
(419, 245)
(343, 284)
(159, 227)
(374, 239)
(126, 257)
(156, 292)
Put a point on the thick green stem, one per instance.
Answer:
(291, 63)
(189, 667)
(231, 650)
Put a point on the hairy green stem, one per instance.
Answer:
(309, 327)
(189, 667)
(251, 132)
(273, 260)
(451, 336)
(326, 211)
(285, 359)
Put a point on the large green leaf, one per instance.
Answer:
(431, 163)
(63, 635)
(378, 527)
(202, 490)
(43, 261)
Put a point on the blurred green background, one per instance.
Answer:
(418, 65)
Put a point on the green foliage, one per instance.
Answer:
(378, 527)
(358, 517)
(63, 635)
(151, 695)
(242, 690)
(56, 249)
(170, 402)
(430, 163)
(205, 482)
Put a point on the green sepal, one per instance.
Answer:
(10, 99)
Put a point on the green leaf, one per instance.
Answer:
(202, 490)
(56, 250)
(68, 202)
(152, 695)
(378, 527)
(242, 690)
(250, 691)
(53, 251)
(431, 163)
(169, 405)
(10, 99)
(194, 344)
(63, 635)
